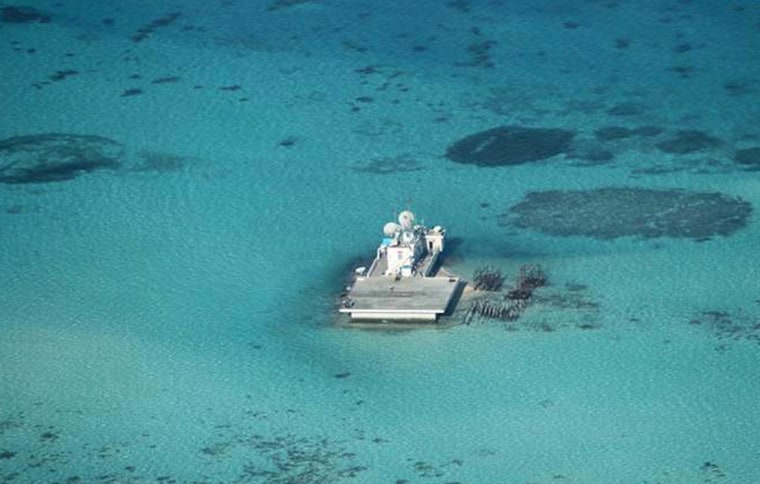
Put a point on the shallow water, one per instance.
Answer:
(172, 318)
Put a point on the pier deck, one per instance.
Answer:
(406, 298)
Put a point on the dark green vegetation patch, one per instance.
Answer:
(609, 213)
(55, 157)
(510, 145)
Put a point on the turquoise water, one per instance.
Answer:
(168, 307)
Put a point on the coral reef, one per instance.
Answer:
(56, 157)
(609, 133)
(148, 29)
(510, 145)
(390, 165)
(729, 326)
(17, 14)
(155, 161)
(749, 158)
(609, 213)
(688, 141)
(627, 109)
(284, 4)
(134, 91)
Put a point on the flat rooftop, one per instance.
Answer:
(404, 298)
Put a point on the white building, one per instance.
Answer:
(402, 283)
(408, 249)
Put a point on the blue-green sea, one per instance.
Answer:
(186, 187)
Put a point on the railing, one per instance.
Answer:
(380, 260)
(429, 263)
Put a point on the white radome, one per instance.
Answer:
(406, 219)
(390, 229)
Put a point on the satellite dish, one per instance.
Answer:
(390, 229)
(406, 219)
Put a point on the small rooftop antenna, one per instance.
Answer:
(408, 202)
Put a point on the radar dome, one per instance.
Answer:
(390, 229)
(406, 219)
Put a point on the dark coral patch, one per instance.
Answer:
(740, 87)
(682, 71)
(55, 157)
(510, 145)
(288, 458)
(147, 30)
(283, 4)
(749, 157)
(390, 165)
(166, 80)
(647, 131)
(134, 91)
(462, 6)
(682, 48)
(592, 156)
(153, 161)
(16, 14)
(610, 133)
(61, 75)
(48, 436)
(688, 141)
(609, 213)
(728, 327)
(480, 53)
(627, 109)
(289, 141)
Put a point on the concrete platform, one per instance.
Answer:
(406, 298)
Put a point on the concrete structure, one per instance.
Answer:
(402, 283)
